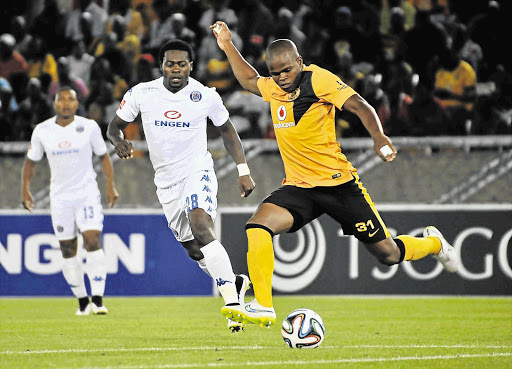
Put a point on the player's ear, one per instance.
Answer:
(300, 61)
(191, 65)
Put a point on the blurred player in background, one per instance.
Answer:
(174, 111)
(319, 178)
(69, 141)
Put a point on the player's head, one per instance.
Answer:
(65, 103)
(176, 58)
(284, 64)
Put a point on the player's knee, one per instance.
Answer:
(92, 242)
(389, 259)
(68, 248)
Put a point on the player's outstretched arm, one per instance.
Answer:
(233, 145)
(26, 176)
(244, 72)
(108, 171)
(381, 143)
(115, 135)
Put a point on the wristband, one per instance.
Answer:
(243, 169)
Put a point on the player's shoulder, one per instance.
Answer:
(44, 125)
(198, 91)
(323, 80)
(145, 87)
(319, 73)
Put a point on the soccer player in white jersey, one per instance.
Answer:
(174, 110)
(69, 141)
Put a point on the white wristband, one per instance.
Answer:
(243, 169)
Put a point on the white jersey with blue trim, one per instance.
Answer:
(69, 151)
(175, 126)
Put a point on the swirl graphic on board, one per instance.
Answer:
(299, 257)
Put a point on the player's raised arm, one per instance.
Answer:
(115, 135)
(233, 145)
(244, 72)
(382, 143)
(26, 176)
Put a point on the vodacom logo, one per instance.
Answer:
(281, 113)
(172, 114)
(298, 265)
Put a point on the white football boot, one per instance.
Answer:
(242, 285)
(84, 312)
(98, 310)
(447, 256)
(251, 312)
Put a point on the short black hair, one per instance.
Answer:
(175, 45)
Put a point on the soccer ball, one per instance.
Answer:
(303, 328)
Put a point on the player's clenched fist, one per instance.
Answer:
(124, 149)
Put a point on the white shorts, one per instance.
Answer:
(83, 213)
(199, 190)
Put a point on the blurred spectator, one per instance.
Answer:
(385, 14)
(132, 17)
(249, 114)
(181, 31)
(212, 67)
(286, 29)
(468, 50)
(91, 42)
(425, 115)
(50, 25)
(101, 73)
(425, 42)
(493, 111)
(128, 44)
(255, 26)
(102, 106)
(145, 69)
(98, 18)
(455, 86)
(35, 108)
(487, 30)
(80, 62)
(144, 11)
(7, 108)
(66, 79)
(39, 60)
(161, 28)
(218, 10)
(315, 47)
(21, 34)
(372, 92)
(11, 61)
(120, 64)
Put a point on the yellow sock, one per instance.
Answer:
(260, 260)
(419, 247)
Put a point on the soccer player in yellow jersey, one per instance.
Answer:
(319, 178)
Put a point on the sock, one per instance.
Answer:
(96, 271)
(97, 300)
(217, 263)
(74, 275)
(83, 302)
(260, 260)
(202, 265)
(419, 247)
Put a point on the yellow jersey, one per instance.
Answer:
(304, 126)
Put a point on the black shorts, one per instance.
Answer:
(348, 203)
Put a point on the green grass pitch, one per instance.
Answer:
(190, 332)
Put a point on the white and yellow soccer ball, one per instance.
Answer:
(303, 328)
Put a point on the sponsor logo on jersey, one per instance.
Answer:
(80, 129)
(170, 123)
(281, 113)
(122, 103)
(284, 125)
(172, 114)
(196, 96)
(342, 85)
(64, 144)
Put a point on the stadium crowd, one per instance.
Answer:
(429, 67)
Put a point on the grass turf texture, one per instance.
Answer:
(190, 332)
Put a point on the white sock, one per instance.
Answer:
(202, 265)
(74, 275)
(96, 271)
(218, 264)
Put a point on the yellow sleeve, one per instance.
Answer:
(330, 88)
